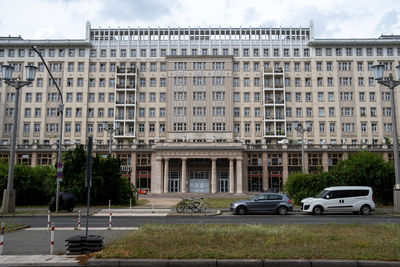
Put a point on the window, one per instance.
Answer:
(362, 96)
(308, 97)
(331, 112)
(372, 96)
(298, 97)
(162, 97)
(321, 96)
(309, 112)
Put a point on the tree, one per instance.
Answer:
(107, 182)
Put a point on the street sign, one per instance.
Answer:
(60, 167)
(59, 175)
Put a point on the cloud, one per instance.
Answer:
(67, 18)
(388, 22)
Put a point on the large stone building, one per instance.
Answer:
(203, 109)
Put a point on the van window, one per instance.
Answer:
(353, 193)
(333, 194)
(361, 193)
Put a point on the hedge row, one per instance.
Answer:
(362, 169)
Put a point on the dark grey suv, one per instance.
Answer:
(265, 202)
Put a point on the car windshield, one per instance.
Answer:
(322, 194)
(253, 197)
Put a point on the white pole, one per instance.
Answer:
(109, 204)
(130, 204)
(48, 220)
(52, 240)
(2, 238)
(153, 207)
(79, 220)
(110, 222)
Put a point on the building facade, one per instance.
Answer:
(203, 110)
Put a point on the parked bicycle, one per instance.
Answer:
(204, 206)
(188, 204)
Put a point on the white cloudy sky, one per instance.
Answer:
(49, 19)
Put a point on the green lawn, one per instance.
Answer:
(364, 242)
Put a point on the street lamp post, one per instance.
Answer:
(302, 130)
(391, 83)
(60, 112)
(110, 131)
(8, 205)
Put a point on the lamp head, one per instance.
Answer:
(378, 71)
(7, 72)
(30, 72)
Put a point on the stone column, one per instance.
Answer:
(156, 174)
(213, 176)
(133, 169)
(34, 159)
(239, 176)
(265, 170)
(231, 177)
(166, 175)
(325, 161)
(184, 179)
(306, 162)
(285, 167)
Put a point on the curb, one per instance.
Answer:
(218, 212)
(239, 263)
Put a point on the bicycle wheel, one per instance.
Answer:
(195, 206)
(180, 207)
(206, 207)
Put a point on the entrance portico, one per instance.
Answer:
(198, 168)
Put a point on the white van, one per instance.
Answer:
(341, 199)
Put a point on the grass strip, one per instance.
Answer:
(362, 242)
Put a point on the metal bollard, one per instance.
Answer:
(110, 222)
(152, 211)
(48, 220)
(79, 220)
(52, 240)
(130, 204)
(2, 238)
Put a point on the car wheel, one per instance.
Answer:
(282, 210)
(318, 210)
(241, 210)
(365, 210)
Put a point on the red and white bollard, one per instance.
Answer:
(79, 220)
(2, 238)
(52, 240)
(48, 220)
(110, 222)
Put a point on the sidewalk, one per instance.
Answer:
(62, 260)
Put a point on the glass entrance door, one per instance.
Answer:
(174, 182)
(223, 182)
(199, 181)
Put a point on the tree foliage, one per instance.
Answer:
(33, 185)
(37, 185)
(107, 182)
(362, 169)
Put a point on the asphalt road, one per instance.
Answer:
(227, 218)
